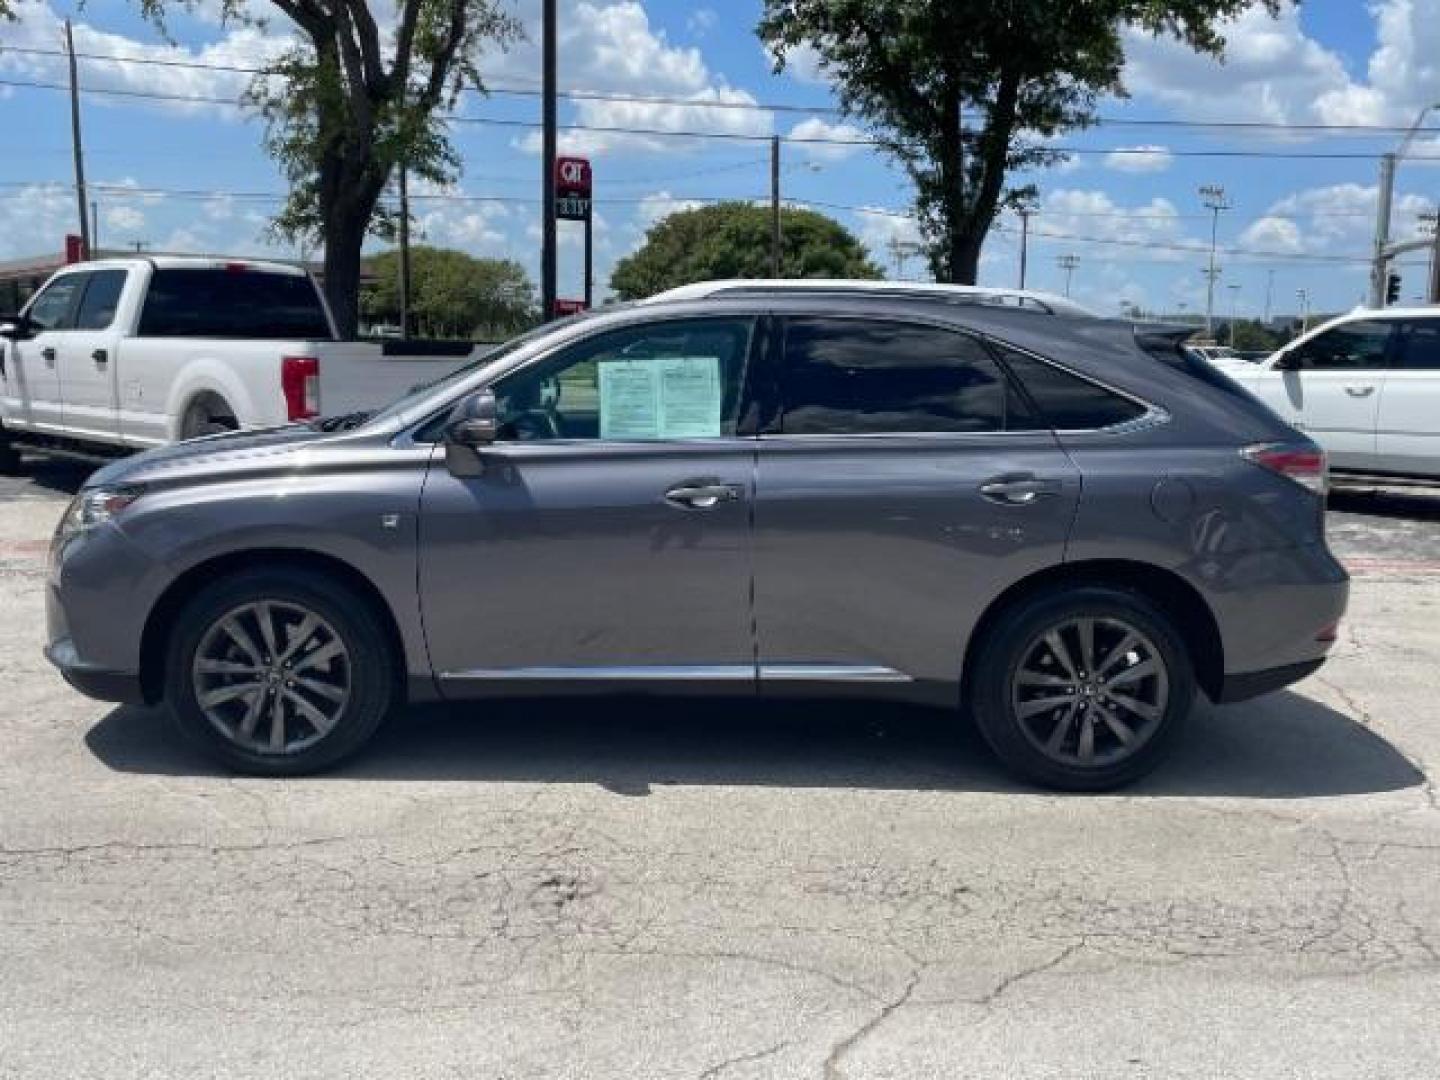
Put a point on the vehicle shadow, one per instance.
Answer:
(55, 474)
(1284, 746)
(1386, 503)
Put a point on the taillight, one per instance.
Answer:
(1302, 462)
(300, 382)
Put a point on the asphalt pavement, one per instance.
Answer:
(655, 889)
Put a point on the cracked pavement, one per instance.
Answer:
(682, 889)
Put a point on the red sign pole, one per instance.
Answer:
(573, 202)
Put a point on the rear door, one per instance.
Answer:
(1407, 438)
(33, 391)
(86, 358)
(1334, 393)
(901, 484)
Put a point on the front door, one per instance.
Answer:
(906, 487)
(608, 537)
(33, 395)
(1331, 388)
(86, 362)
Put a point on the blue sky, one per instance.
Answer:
(186, 175)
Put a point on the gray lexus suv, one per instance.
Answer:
(1061, 526)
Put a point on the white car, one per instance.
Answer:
(125, 354)
(1365, 386)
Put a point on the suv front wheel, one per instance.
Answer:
(1082, 689)
(279, 673)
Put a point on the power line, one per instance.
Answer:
(513, 90)
(492, 121)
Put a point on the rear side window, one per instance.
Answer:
(863, 376)
(1420, 347)
(101, 299)
(1068, 402)
(54, 307)
(225, 303)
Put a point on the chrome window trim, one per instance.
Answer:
(815, 672)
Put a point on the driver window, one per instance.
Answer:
(52, 308)
(1355, 346)
(672, 380)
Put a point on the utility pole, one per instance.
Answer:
(1068, 263)
(1213, 196)
(75, 142)
(94, 226)
(775, 237)
(1234, 299)
(1433, 220)
(1379, 265)
(1024, 211)
(1269, 289)
(1304, 297)
(404, 254)
(547, 164)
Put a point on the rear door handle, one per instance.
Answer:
(1359, 391)
(48, 353)
(1018, 490)
(702, 494)
(101, 357)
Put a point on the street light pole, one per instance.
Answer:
(1024, 211)
(1380, 260)
(1213, 196)
(1304, 297)
(1234, 300)
(1068, 263)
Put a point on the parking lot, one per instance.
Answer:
(679, 889)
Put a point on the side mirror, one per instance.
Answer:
(16, 327)
(1288, 361)
(473, 426)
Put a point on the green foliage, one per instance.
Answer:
(732, 240)
(1253, 335)
(961, 92)
(452, 294)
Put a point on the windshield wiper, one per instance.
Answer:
(343, 422)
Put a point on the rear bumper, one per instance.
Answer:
(98, 683)
(1241, 686)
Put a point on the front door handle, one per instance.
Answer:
(1359, 391)
(702, 494)
(101, 357)
(48, 353)
(1018, 490)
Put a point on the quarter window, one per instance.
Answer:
(1421, 346)
(664, 381)
(861, 376)
(232, 303)
(54, 307)
(1068, 402)
(102, 298)
(1356, 346)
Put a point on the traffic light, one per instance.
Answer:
(1392, 288)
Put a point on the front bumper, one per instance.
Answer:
(99, 683)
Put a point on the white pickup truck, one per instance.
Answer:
(125, 354)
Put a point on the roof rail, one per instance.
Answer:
(1047, 303)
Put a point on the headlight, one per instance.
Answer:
(93, 507)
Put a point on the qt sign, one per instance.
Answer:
(572, 189)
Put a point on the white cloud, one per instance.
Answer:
(806, 137)
(701, 21)
(39, 26)
(124, 219)
(612, 48)
(893, 241)
(1273, 71)
(1155, 227)
(655, 207)
(802, 64)
(1336, 219)
(1140, 159)
(1273, 234)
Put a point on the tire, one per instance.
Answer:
(201, 420)
(1018, 674)
(359, 680)
(9, 456)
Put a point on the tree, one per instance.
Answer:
(961, 92)
(355, 101)
(452, 294)
(732, 240)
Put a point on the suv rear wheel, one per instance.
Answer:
(1083, 689)
(279, 673)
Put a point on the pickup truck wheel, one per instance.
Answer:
(278, 673)
(208, 417)
(1082, 689)
(9, 456)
